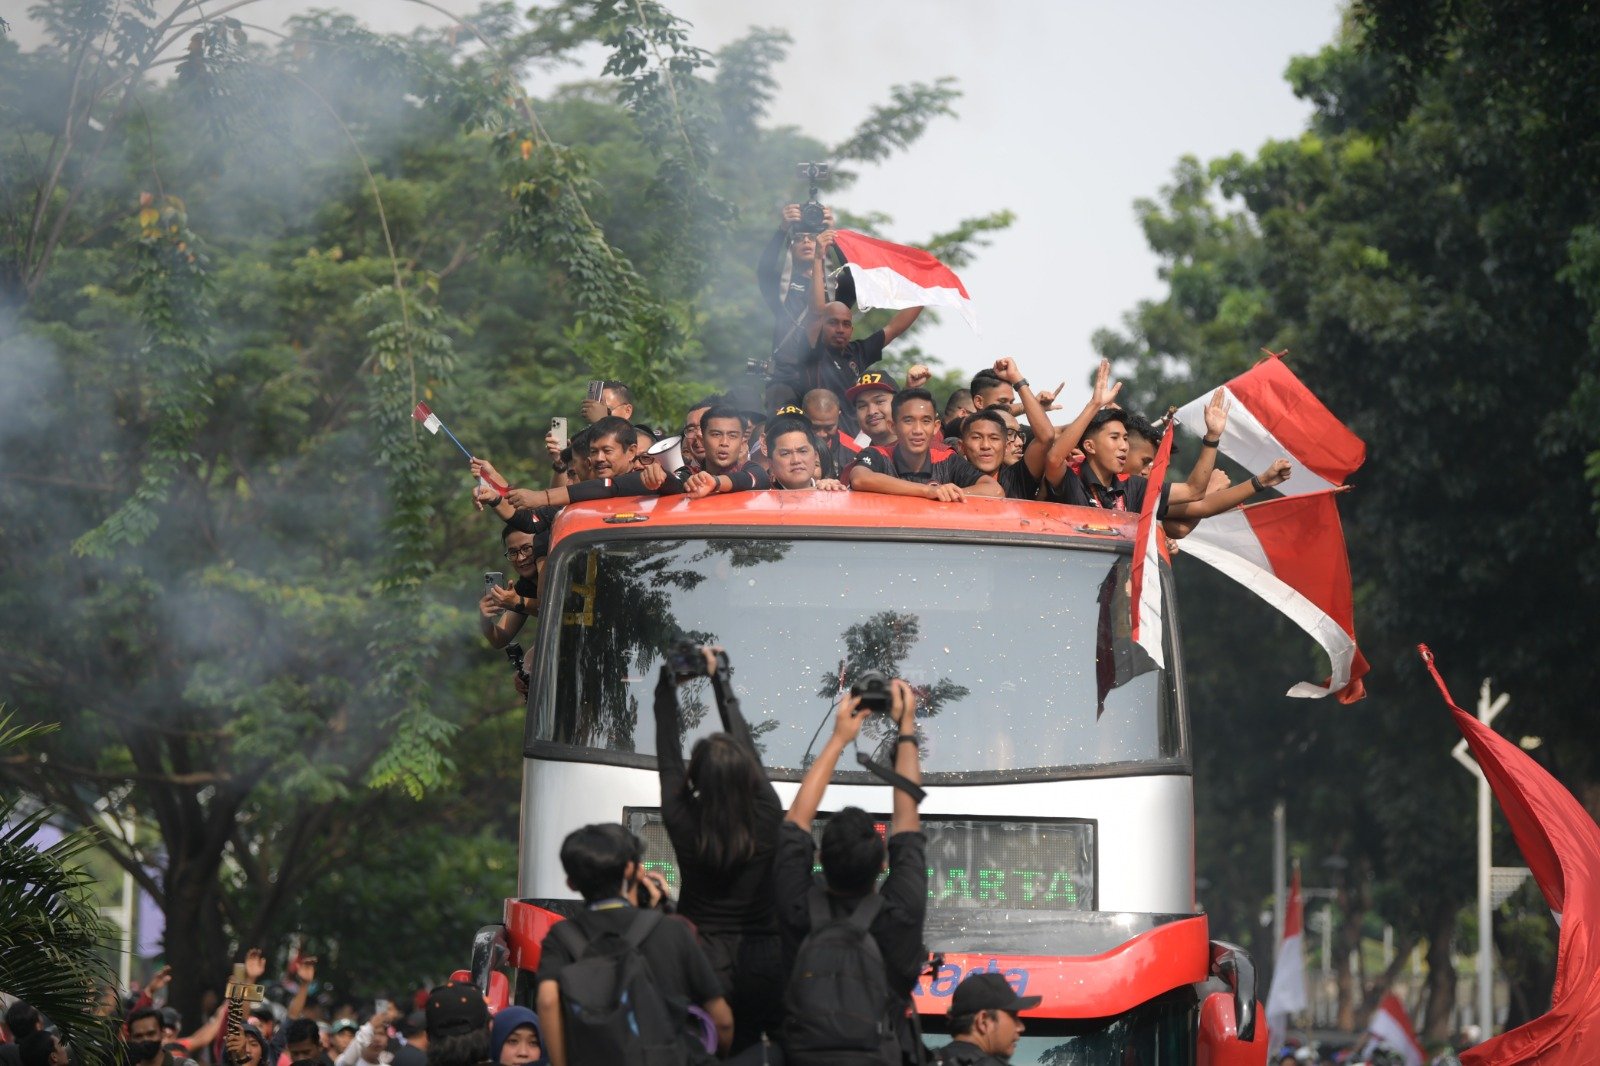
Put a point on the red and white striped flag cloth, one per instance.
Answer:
(1288, 994)
(1149, 542)
(1391, 1027)
(1273, 415)
(892, 275)
(1561, 844)
(1290, 551)
(429, 420)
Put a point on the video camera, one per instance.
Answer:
(514, 655)
(812, 219)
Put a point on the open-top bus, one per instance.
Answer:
(1059, 809)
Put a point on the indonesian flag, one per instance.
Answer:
(1148, 544)
(1273, 415)
(429, 420)
(1290, 551)
(892, 275)
(1561, 845)
(1288, 995)
(1392, 1028)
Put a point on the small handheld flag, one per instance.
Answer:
(430, 422)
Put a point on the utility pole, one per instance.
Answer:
(1488, 710)
(1280, 873)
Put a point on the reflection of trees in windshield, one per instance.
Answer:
(882, 643)
(626, 620)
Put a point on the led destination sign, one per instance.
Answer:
(1007, 865)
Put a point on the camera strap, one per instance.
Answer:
(892, 778)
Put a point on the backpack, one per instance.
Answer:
(838, 1006)
(612, 1009)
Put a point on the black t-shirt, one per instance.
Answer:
(965, 1053)
(1018, 481)
(837, 371)
(791, 306)
(838, 453)
(1084, 489)
(717, 901)
(898, 926)
(679, 966)
(943, 466)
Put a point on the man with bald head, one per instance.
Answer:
(835, 450)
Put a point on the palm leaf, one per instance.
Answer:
(52, 939)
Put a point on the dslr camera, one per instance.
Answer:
(872, 691)
(688, 661)
(812, 220)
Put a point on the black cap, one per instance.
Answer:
(988, 991)
(264, 1012)
(456, 1008)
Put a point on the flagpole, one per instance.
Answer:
(1280, 873)
(1488, 709)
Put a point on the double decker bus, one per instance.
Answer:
(1060, 796)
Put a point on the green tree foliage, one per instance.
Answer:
(231, 564)
(1425, 251)
(52, 939)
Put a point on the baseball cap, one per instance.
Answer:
(456, 1007)
(988, 991)
(788, 409)
(872, 379)
(264, 1012)
(344, 1025)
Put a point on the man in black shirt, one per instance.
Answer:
(872, 399)
(602, 863)
(920, 464)
(983, 1020)
(853, 854)
(792, 303)
(984, 441)
(796, 462)
(835, 448)
(724, 431)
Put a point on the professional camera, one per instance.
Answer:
(688, 661)
(758, 367)
(812, 219)
(872, 691)
(514, 654)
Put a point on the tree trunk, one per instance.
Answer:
(194, 943)
(1441, 1001)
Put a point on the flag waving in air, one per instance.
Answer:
(1391, 1027)
(430, 422)
(892, 275)
(1290, 551)
(1288, 994)
(1273, 414)
(1148, 543)
(1561, 845)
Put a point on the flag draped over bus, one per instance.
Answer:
(1561, 845)
(1148, 542)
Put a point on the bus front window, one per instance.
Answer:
(1019, 654)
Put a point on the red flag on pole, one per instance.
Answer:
(1561, 845)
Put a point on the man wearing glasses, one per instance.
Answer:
(502, 611)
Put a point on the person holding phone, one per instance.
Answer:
(502, 610)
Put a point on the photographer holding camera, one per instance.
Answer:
(722, 816)
(819, 1028)
(789, 297)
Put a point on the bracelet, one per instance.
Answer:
(1207, 442)
(1255, 483)
(906, 738)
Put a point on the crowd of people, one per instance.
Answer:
(829, 419)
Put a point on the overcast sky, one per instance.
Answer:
(1072, 110)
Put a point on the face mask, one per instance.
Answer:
(307, 1062)
(143, 1050)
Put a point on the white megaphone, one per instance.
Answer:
(668, 451)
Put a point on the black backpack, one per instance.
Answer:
(838, 1005)
(611, 1007)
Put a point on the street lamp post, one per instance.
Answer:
(1488, 710)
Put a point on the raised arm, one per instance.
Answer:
(1044, 433)
(1215, 503)
(819, 288)
(1060, 453)
(907, 757)
(900, 323)
(769, 268)
(1194, 486)
(669, 737)
(846, 727)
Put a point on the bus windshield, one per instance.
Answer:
(1020, 655)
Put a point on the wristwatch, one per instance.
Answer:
(1020, 383)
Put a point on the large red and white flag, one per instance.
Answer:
(1290, 551)
(1145, 574)
(1561, 844)
(892, 275)
(1391, 1026)
(1288, 993)
(1272, 415)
